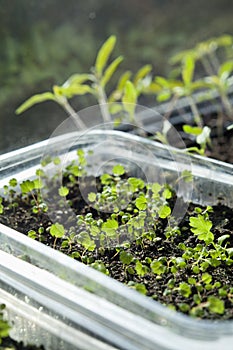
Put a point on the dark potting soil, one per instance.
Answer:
(144, 250)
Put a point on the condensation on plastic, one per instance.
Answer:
(121, 316)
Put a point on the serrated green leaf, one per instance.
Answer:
(141, 269)
(141, 202)
(13, 182)
(164, 211)
(110, 70)
(38, 184)
(86, 241)
(185, 289)
(136, 183)
(46, 96)
(57, 230)
(201, 227)
(126, 258)
(110, 227)
(104, 54)
(27, 186)
(99, 266)
(206, 278)
(216, 305)
(157, 267)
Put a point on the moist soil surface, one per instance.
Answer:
(162, 287)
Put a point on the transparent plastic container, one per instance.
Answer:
(88, 300)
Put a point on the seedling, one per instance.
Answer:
(94, 83)
(137, 240)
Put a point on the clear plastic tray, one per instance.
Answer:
(113, 312)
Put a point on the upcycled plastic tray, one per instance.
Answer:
(87, 300)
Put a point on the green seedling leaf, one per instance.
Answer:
(157, 267)
(164, 211)
(46, 96)
(99, 266)
(141, 269)
(126, 258)
(193, 130)
(206, 278)
(74, 90)
(86, 241)
(142, 73)
(106, 179)
(63, 191)
(77, 79)
(91, 197)
(188, 69)
(141, 202)
(141, 288)
(216, 305)
(13, 182)
(32, 234)
(230, 251)
(136, 184)
(129, 99)
(104, 54)
(110, 70)
(164, 96)
(38, 184)
(4, 326)
(123, 79)
(225, 69)
(167, 194)
(155, 189)
(27, 186)
(57, 230)
(201, 227)
(185, 289)
(118, 170)
(56, 161)
(222, 238)
(1, 206)
(110, 227)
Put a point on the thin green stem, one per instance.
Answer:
(227, 105)
(103, 103)
(195, 112)
(71, 112)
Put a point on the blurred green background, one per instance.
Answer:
(43, 42)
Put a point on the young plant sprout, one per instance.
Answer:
(136, 240)
(94, 83)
